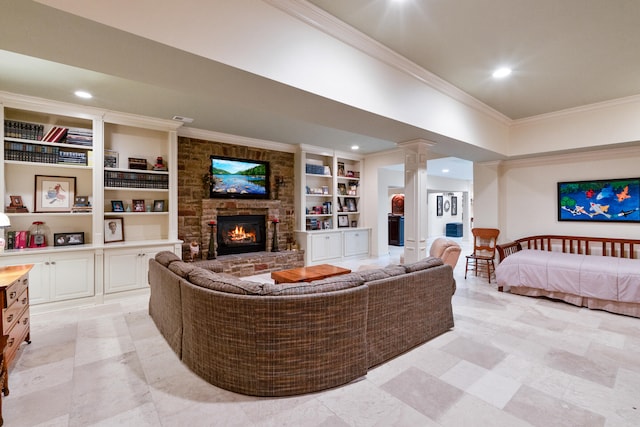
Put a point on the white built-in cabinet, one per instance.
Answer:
(95, 268)
(328, 202)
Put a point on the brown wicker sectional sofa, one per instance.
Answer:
(278, 340)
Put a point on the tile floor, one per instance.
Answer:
(509, 361)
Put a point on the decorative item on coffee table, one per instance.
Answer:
(275, 247)
(211, 254)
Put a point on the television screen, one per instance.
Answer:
(239, 178)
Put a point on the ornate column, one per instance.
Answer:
(415, 200)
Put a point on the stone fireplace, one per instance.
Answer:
(239, 234)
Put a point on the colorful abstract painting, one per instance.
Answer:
(607, 200)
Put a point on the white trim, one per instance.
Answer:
(573, 157)
(208, 135)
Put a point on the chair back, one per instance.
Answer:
(485, 241)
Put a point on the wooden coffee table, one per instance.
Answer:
(308, 274)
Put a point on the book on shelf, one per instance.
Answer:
(55, 134)
(23, 130)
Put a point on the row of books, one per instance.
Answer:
(17, 239)
(317, 169)
(24, 152)
(135, 180)
(61, 134)
(23, 130)
(319, 224)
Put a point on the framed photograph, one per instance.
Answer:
(439, 205)
(68, 239)
(158, 205)
(110, 159)
(113, 230)
(352, 206)
(343, 220)
(138, 205)
(454, 206)
(117, 206)
(340, 168)
(354, 223)
(81, 201)
(342, 189)
(16, 201)
(54, 193)
(604, 200)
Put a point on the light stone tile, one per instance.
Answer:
(142, 416)
(582, 367)
(26, 381)
(308, 413)
(463, 375)
(475, 352)
(37, 407)
(61, 421)
(471, 411)
(494, 389)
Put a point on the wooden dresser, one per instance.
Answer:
(14, 301)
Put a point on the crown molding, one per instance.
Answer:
(323, 21)
(573, 157)
(577, 110)
(208, 135)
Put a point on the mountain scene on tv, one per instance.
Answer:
(238, 177)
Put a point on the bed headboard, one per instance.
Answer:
(621, 248)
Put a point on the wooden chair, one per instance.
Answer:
(484, 252)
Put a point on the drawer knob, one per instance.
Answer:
(12, 294)
(25, 321)
(10, 318)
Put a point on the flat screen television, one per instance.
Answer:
(239, 178)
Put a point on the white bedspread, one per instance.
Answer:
(592, 276)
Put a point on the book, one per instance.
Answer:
(55, 134)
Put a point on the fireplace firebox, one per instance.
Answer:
(241, 233)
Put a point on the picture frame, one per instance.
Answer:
(81, 201)
(454, 206)
(342, 189)
(354, 223)
(16, 202)
(113, 229)
(439, 205)
(111, 159)
(601, 200)
(117, 206)
(343, 221)
(54, 193)
(340, 168)
(68, 239)
(138, 205)
(351, 204)
(158, 205)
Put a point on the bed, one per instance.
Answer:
(598, 273)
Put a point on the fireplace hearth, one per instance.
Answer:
(239, 234)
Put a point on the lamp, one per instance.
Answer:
(4, 223)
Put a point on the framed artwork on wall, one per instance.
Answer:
(604, 200)
(439, 205)
(454, 206)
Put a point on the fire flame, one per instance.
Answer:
(239, 234)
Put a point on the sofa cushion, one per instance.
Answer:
(423, 264)
(233, 285)
(335, 283)
(181, 268)
(166, 257)
(377, 274)
(394, 270)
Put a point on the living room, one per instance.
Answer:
(507, 357)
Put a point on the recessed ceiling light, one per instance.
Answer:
(445, 170)
(183, 119)
(501, 73)
(355, 147)
(83, 94)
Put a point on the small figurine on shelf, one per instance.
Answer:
(159, 166)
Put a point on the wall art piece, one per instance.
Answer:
(439, 203)
(454, 206)
(605, 200)
(54, 193)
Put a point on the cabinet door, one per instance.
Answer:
(122, 270)
(38, 276)
(356, 242)
(71, 276)
(325, 246)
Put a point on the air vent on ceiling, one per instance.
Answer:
(183, 119)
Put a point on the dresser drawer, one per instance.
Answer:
(17, 335)
(10, 315)
(13, 292)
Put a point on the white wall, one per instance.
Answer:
(527, 196)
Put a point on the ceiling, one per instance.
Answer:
(564, 54)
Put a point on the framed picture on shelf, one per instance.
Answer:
(68, 239)
(342, 189)
(117, 206)
(81, 201)
(352, 206)
(16, 201)
(138, 205)
(340, 169)
(113, 230)
(158, 205)
(354, 224)
(343, 221)
(110, 159)
(54, 193)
